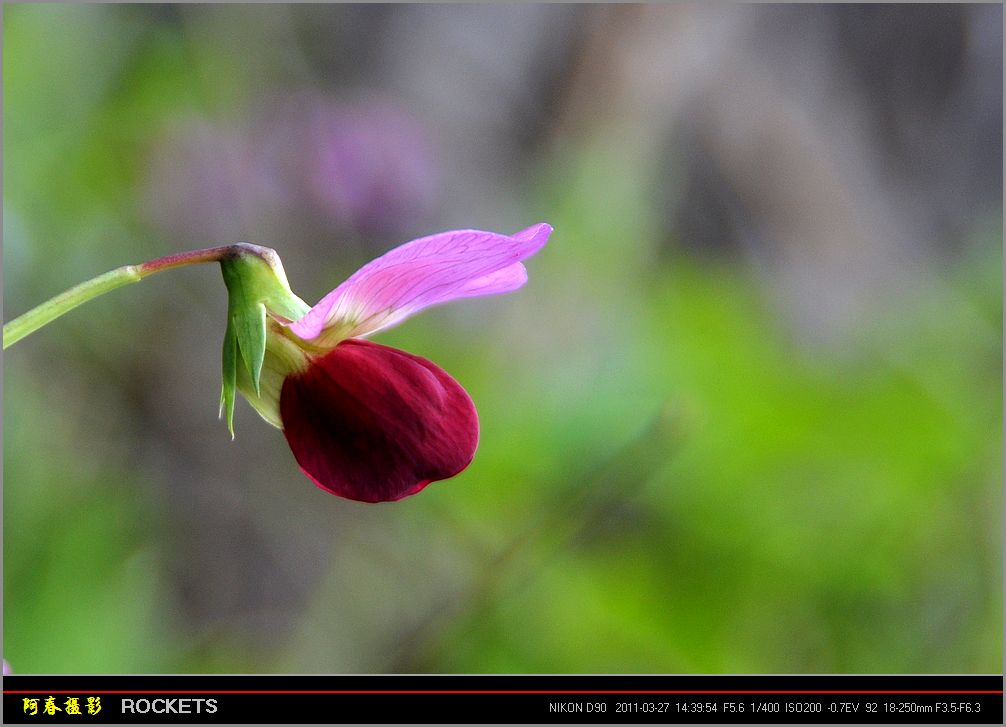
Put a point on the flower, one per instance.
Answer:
(364, 421)
(370, 164)
(367, 165)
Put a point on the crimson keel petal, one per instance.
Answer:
(372, 423)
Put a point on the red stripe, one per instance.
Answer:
(504, 691)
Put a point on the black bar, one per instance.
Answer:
(208, 699)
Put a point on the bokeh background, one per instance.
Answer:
(745, 416)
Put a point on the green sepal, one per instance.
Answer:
(246, 314)
(230, 375)
(257, 287)
(256, 281)
(249, 326)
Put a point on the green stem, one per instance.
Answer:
(68, 300)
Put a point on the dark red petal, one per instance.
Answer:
(373, 423)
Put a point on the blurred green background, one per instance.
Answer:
(745, 416)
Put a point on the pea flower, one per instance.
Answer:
(364, 421)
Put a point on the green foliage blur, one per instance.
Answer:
(668, 480)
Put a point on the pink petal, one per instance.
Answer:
(373, 423)
(422, 273)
